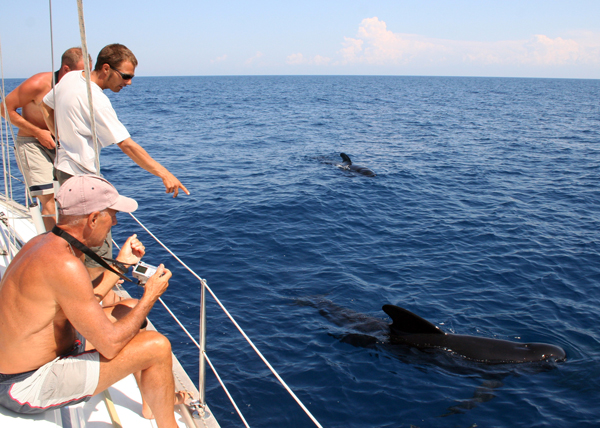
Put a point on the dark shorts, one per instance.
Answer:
(66, 380)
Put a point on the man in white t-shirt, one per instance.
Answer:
(114, 70)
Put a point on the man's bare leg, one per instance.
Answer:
(48, 209)
(115, 311)
(180, 397)
(118, 311)
(150, 353)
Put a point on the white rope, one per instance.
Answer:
(52, 68)
(283, 383)
(88, 83)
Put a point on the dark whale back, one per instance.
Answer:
(356, 168)
(410, 329)
(405, 322)
(346, 159)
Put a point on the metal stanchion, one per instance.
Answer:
(202, 362)
(200, 404)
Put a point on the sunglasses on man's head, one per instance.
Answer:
(123, 75)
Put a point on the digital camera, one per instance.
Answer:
(142, 271)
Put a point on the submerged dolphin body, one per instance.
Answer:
(347, 164)
(410, 329)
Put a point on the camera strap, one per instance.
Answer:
(88, 252)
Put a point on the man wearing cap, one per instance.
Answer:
(48, 308)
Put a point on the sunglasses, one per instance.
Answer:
(123, 75)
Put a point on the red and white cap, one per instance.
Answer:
(85, 194)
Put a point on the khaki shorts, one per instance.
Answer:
(36, 163)
(66, 380)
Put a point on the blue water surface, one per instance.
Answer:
(483, 218)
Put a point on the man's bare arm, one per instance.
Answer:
(76, 298)
(131, 253)
(24, 94)
(143, 159)
(48, 114)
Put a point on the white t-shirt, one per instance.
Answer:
(72, 114)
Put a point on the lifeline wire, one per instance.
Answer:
(207, 360)
(283, 383)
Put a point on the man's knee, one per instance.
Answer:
(155, 343)
(129, 302)
(118, 310)
(47, 202)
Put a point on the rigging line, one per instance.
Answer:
(8, 190)
(6, 154)
(51, 44)
(283, 383)
(6, 147)
(52, 65)
(88, 83)
(5, 150)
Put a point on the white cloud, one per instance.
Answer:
(298, 59)
(375, 44)
(295, 59)
(253, 59)
(219, 59)
(321, 60)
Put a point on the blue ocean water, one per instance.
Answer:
(483, 218)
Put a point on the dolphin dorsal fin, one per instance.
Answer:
(405, 321)
(345, 158)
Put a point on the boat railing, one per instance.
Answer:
(200, 404)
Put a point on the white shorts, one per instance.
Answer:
(66, 380)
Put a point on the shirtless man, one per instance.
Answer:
(35, 147)
(47, 304)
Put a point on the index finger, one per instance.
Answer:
(184, 189)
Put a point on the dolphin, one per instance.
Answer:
(347, 164)
(410, 329)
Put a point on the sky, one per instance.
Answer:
(503, 38)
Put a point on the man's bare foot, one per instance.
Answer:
(146, 411)
(180, 397)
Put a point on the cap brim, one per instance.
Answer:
(124, 204)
